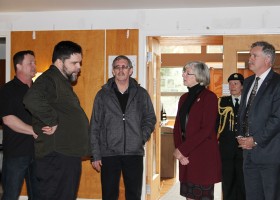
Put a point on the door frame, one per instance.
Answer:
(153, 145)
(7, 36)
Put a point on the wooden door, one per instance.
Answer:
(216, 81)
(153, 145)
(2, 72)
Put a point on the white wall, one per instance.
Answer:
(2, 51)
(165, 22)
(5, 51)
(175, 21)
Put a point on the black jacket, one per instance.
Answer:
(227, 131)
(52, 101)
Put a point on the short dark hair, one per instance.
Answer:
(19, 57)
(267, 48)
(64, 49)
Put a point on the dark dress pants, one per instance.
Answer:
(262, 181)
(131, 167)
(233, 179)
(58, 176)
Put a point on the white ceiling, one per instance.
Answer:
(66, 5)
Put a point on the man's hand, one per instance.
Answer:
(97, 165)
(246, 142)
(35, 136)
(49, 130)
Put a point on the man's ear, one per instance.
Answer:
(58, 63)
(268, 60)
(19, 67)
(130, 71)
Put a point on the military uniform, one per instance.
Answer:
(232, 159)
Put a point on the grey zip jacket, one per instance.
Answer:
(114, 133)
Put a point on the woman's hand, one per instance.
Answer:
(182, 159)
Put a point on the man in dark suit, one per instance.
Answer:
(232, 159)
(259, 124)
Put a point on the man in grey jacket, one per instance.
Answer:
(122, 121)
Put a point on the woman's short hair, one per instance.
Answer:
(201, 72)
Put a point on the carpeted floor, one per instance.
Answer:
(174, 193)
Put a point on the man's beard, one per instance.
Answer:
(72, 77)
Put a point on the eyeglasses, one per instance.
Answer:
(185, 71)
(119, 67)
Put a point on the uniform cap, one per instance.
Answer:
(236, 76)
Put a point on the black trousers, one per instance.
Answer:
(58, 176)
(131, 168)
(232, 179)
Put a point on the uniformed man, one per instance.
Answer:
(232, 173)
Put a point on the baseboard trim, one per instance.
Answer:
(26, 198)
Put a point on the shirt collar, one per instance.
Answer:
(233, 98)
(263, 76)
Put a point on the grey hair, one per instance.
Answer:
(267, 48)
(201, 72)
(122, 57)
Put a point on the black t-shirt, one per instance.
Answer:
(122, 97)
(11, 103)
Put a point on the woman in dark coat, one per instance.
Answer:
(196, 145)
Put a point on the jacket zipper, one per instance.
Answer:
(124, 134)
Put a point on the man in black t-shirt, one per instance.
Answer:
(18, 135)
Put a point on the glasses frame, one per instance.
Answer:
(187, 73)
(119, 67)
